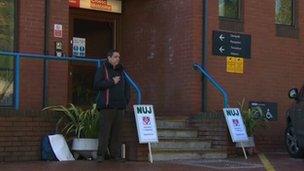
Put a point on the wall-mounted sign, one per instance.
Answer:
(101, 5)
(231, 44)
(58, 30)
(270, 109)
(235, 65)
(79, 47)
(58, 49)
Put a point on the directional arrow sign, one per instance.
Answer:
(231, 44)
(221, 49)
(222, 37)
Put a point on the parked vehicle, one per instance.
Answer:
(294, 133)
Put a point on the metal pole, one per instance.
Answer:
(17, 82)
(205, 56)
(46, 52)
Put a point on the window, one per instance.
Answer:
(229, 9)
(284, 12)
(7, 30)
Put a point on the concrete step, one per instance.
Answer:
(166, 156)
(178, 155)
(181, 145)
(177, 133)
(170, 124)
(214, 155)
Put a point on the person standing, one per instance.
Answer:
(113, 98)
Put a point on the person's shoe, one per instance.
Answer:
(100, 159)
(119, 159)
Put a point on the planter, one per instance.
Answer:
(86, 147)
(249, 143)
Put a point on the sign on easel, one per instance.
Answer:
(236, 126)
(146, 125)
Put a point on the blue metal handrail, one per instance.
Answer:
(135, 87)
(205, 73)
(49, 57)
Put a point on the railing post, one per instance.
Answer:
(17, 81)
(135, 86)
(205, 73)
(99, 63)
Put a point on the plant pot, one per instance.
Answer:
(249, 143)
(86, 147)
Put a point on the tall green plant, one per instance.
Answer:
(252, 117)
(81, 123)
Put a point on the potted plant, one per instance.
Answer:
(252, 118)
(82, 125)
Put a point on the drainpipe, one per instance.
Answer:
(205, 54)
(46, 51)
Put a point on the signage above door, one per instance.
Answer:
(100, 5)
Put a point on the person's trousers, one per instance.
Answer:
(110, 132)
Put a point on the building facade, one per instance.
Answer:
(159, 42)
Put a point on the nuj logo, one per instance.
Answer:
(144, 110)
(233, 113)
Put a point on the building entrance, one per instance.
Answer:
(97, 36)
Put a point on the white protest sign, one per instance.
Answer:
(235, 124)
(145, 122)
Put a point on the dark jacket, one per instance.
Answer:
(110, 95)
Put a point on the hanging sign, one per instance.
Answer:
(101, 5)
(145, 122)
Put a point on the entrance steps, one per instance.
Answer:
(177, 141)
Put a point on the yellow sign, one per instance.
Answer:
(239, 65)
(230, 64)
(235, 65)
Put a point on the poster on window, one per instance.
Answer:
(79, 47)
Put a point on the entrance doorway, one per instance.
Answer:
(100, 37)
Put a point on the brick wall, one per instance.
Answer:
(134, 150)
(31, 40)
(21, 134)
(159, 40)
(212, 128)
(275, 66)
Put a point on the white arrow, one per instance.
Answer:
(221, 49)
(222, 37)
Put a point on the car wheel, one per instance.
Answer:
(292, 145)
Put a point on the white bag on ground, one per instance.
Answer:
(60, 148)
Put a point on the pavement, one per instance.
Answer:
(262, 161)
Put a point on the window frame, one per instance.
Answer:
(233, 24)
(289, 31)
(292, 12)
(240, 16)
(15, 47)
